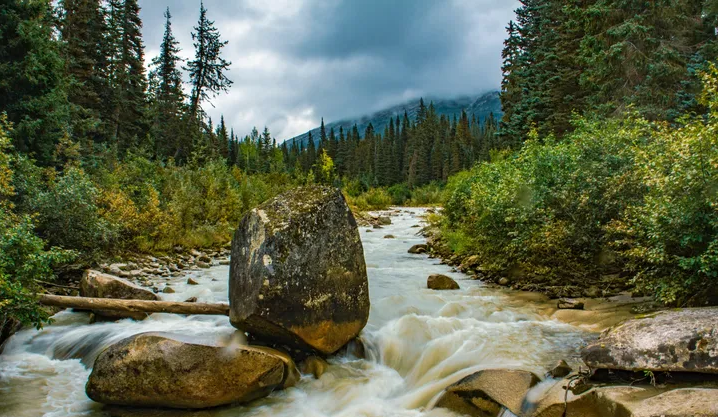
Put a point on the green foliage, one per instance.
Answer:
(427, 195)
(400, 194)
(373, 199)
(23, 258)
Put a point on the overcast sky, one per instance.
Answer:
(295, 61)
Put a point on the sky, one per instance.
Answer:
(296, 61)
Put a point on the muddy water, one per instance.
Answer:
(419, 341)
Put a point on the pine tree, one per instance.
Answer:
(33, 88)
(168, 97)
(82, 28)
(207, 69)
(223, 139)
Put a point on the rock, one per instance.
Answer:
(190, 281)
(313, 365)
(670, 341)
(163, 370)
(415, 226)
(504, 281)
(369, 231)
(484, 393)
(384, 220)
(628, 401)
(224, 261)
(560, 370)
(203, 264)
(298, 275)
(593, 292)
(470, 262)
(441, 282)
(389, 237)
(569, 304)
(168, 290)
(191, 300)
(195, 253)
(96, 284)
(420, 248)
(376, 226)
(205, 259)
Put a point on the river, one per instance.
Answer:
(418, 342)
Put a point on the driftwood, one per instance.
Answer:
(135, 306)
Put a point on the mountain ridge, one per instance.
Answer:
(480, 105)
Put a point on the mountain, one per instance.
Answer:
(480, 106)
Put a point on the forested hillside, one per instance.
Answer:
(611, 106)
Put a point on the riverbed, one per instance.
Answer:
(418, 341)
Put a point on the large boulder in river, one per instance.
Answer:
(297, 272)
(99, 285)
(485, 393)
(670, 341)
(164, 370)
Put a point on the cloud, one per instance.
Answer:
(295, 61)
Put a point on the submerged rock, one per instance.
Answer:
(314, 365)
(569, 304)
(96, 284)
(297, 273)
(670, 341)
(163, 370)
(420, 248)
(484, 393)
(441, 282)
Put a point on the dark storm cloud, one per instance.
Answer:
(295, 61)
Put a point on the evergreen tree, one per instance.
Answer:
(33, 89)
(207, 69)
(168, 97)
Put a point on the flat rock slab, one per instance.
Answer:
(164, 370)
(484, 393)
(297, 273)
(670, 341)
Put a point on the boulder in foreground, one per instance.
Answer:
(163, 370)
(670, 341)
(96, 284)
(417, 249)
(484, 393)
(441, 282)
(297, 273)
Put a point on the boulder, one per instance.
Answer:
(569, 304)
(670, 341)
(420, 248)
(96, 284)
(484, 393)
(314, 365)
(191, 281)
(163, 370)
(625, 401)
(389, 237)
(561, 370)
(441, 282)
(384, 220)
(297, 273)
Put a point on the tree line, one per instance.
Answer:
(603, 58)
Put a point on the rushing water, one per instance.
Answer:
(418, 342)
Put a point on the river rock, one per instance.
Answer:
(420, 248)
(670, 341)
(625, 401)
(384, 220)
(561, 370)
(96, 284)
(163, 370)
(441, 282)
(297, 273)
(389, 237)
(314, 365)
(569, 304)
(484, 393)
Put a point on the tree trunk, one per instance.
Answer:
(135, 306)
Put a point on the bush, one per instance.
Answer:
(430, 194)
(374, 199)
(400, 194)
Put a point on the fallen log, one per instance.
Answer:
(134, 306)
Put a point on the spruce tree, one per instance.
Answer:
(207, 69)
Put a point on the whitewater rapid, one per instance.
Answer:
(418, 342)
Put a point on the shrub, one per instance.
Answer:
(430, 194)
(400, 194)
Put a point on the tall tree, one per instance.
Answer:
(168, 97)
(33, 88)
(207, 69)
